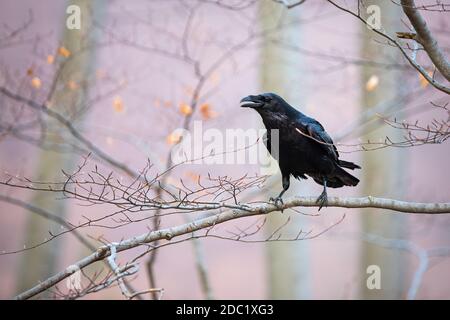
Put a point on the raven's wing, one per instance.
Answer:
(312, 129)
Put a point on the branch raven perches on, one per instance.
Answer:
(302, 146)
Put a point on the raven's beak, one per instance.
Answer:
(251, 102)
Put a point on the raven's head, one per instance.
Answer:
(264, 103)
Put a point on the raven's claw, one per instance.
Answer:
(278, 201)
(322, 200)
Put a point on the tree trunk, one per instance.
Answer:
(288, 263)
(383, 169)
(67, 98)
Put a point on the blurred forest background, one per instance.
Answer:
(138, 70)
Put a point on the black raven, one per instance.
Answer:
(304, 148)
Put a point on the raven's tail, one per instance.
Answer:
(339, 179)
(345, 178)
(348, 165)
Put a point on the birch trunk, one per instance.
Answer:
(288, 263)
(40, 263)
(383, 169)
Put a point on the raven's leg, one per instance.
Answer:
(286, 184)
(323, 198)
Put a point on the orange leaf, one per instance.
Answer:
(206, 112)
(118, 104)
(372, 83)
(185, 109)
(50, 59)
(64, 52)
(36, 82)
(173, 138)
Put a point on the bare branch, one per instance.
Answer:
(411, 61)
(71, 129)
(240, 212)
(426, 38)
